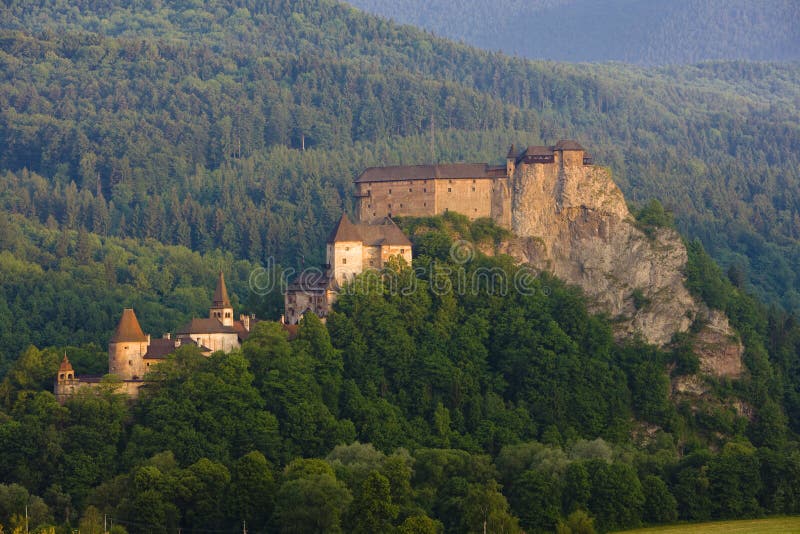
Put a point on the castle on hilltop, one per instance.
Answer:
(131, 352)
(477, 190)
(472, 189)
(351, 249)
(557, 176)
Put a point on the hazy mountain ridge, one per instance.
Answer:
(685, 31)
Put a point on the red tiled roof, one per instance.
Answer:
(128, 328)
(65, 366)
(159, 349)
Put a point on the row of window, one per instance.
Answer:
(425, 189)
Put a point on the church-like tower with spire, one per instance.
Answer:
(131, 352)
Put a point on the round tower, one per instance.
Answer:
(127, 348)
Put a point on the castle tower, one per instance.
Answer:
(344, 251)
(127, 348)
(511, 161)
(221, 308)
(66, 383)
(65, 371)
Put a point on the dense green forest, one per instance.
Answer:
(185, 124)
(144, 146)
(639, 31)
(414, 411)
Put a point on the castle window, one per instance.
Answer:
(401, 205)
(424, 204)
(390, 191)
(424, 189)
(61, 376)
(371, 263)
(390, 206)
(369, 205)
(346, 248)
(476, 209)
(130, 362)
(344, 260)
(374, 214)
(227, 315)
(473, 189)
(446, 210)
(449, 189)
(409, 190)
(409, 183)
(449, 181)
(402, 251)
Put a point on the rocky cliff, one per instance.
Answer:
(574, 222)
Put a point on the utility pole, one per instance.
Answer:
(26, 519)
(105, 523)
(244, 527)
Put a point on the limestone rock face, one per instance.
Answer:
(574, 222)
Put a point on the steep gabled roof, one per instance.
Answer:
(383, 232)
(344, 231)
(159, 349)
(538, 150)
(568, 144)
(221, 299)
(128, 329)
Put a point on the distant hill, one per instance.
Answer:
(633, 31)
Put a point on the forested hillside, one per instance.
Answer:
(638, 31)
(186, 125)
(415, 411)
(143, 148)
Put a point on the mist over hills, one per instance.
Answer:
(633, 31)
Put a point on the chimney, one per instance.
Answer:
(167, 336)
(245, 319)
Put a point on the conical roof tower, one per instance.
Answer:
(221, 308)
(128, 329)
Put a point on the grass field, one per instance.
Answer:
(775, 525)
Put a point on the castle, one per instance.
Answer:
(477, 190)
(131, 352)
(472, 189)
(504, 193)
(351, 248)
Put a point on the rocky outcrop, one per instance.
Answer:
(574, 222)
